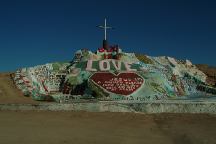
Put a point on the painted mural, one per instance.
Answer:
(112, 75)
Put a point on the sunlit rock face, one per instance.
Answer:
(113, 75)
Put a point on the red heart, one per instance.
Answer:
(122, 83)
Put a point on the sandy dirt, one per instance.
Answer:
(32, 127)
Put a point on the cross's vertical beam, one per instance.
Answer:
(105, 27)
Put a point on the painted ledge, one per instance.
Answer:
(144, 107)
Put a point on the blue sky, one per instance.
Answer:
(39, 32)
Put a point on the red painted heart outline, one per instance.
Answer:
(121, 83)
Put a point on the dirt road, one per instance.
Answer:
(105, 128)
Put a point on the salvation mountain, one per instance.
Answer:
(113, 75)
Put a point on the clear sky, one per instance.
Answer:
(36, 32)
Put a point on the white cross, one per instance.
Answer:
(105, 27)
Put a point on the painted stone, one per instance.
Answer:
(121, 83)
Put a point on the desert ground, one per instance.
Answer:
(66, 127)
(43, 127)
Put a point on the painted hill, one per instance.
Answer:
(113, 75)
